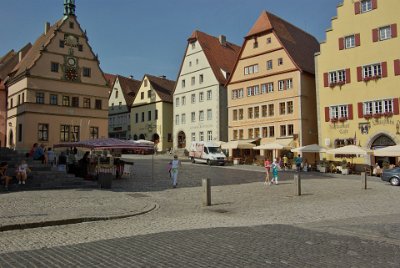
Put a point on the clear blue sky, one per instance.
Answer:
(134, 37)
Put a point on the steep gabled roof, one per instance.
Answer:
(110, 78)
(300, 45)
(10, 60)
(129, 87)
(34, 53)
(219, 56)
(162, 86)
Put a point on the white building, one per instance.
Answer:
(200, 96)
(123, 92)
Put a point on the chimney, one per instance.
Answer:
(46, 27)
(20, 56)
(222, 40)
(131, 76)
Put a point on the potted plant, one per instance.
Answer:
(345, 167)
(342, 119)
(388, 114)
(322, 165)
(377, 115)
(334, 119)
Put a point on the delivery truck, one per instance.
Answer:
(206, 152)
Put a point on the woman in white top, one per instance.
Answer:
(22, 170)
(175, 164)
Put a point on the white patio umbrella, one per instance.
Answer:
(350, 149)
(312, 148)
(390, 151)
(272, 146)
(237, 145)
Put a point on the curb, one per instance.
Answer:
(32, 225)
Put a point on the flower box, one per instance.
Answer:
(388, 114)
(366, 79)
(334, 120)
(377, 115)
(367, 116)
(340, 83)
(332, 85)
(342, 119)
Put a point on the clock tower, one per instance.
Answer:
(60, 88)
(69, 7)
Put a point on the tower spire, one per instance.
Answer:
(69, 7)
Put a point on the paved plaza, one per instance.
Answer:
(335, 223)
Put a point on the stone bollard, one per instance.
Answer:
(206, 192)
(297, 184)
(364, 180)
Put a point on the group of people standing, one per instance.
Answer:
(39, 152)
(275, 166)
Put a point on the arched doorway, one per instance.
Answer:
(11, 139)
(135, 137)
(181, 139)
(382, 141)
(142, 137)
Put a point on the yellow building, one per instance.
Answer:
(358, 77)
(151, 112)
(57, 92)
(271, 92)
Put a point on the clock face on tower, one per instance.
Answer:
(71, 74)
(71, 61)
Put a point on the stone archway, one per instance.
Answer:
(381, 141)
(181, 139)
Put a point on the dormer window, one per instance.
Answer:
(193, 45)
(71, 25)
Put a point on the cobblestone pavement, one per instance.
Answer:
(334, 223)
(256, 246)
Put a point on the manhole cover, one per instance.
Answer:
(137, 195)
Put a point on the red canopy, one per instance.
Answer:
(108, 143)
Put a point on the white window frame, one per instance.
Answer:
(289, 83)
(176, 102)
(281, 85)
(193, 135)
(209, 95)
(269, 65)
(372, 70)
(193, 117)
(337, 76)
(183, 119)
(201, 136)
(183, 100)
(193, 98)
(201, 115)
(209, 135)
(350, 41)
(365, 6)
(338, 111)
(209, 114)
(385, 33)
(201, 96)
(177, 119)
(201, 78)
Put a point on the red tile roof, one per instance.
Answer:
(110, 78)
(300, 45)
(162, 86)
(219, 56)
(10, 60)
(129, 87)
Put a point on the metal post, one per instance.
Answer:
(297, 184)
(364, 180)
(206, 192)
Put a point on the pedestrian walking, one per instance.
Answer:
(267, 165)
(275, 167)
(285, 162)
(175, 164)
(298, 162)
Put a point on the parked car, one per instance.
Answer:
(391, 175)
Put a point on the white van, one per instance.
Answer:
(206, 152)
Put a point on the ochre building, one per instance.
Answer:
(271, 93)
(358, 78)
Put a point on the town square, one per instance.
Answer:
(269, 140)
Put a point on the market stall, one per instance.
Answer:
(104, 156)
